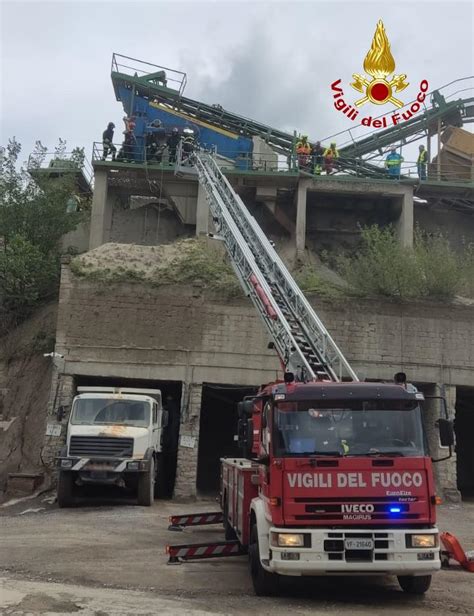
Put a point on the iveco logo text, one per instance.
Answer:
(357, 508)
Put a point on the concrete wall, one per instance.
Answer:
(79, 238)
(145, 226)
(458, 227)
(180, 334)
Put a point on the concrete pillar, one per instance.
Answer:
(202, 213)
(101, 215)
(300, 233)
(405, 222)
(186, 472)
(445, 471)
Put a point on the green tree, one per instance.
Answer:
(33, 219)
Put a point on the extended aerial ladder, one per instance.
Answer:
(303, 344)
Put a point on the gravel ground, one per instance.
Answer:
(108, 560)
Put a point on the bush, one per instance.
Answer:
(431, 269)
(382, 266)
(440, 266)
(33, 219)
(309, 281)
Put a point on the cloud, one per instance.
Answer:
(270, 61)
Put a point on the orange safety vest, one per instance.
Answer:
(303, 148)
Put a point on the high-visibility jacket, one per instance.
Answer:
(303, 147)
(393, 160)
(423, 157)
(330, 153)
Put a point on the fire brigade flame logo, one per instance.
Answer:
(379, 63)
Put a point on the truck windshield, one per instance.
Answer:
(105, 411)
(362, 428)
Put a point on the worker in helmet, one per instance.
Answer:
(422, 162)
(107, 141)
(330, 157)
(303, 152)
(317, 154)
(172, 143)
(393, 163)
(189, 144)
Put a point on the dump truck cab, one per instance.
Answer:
(114, 437)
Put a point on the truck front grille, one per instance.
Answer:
(101, 446)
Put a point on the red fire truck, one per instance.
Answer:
(335, 476)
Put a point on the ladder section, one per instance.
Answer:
(302, 342)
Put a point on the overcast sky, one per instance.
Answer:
(271, 61)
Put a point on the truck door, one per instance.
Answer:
(265, 445)
(156, 435)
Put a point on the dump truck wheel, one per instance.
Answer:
(415, 584)
(65, 494)
(265, 584)
(146, 486)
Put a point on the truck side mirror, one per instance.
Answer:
(446, 432)
(164, 418)
(245, 409)
(245, 436)
(60, 413)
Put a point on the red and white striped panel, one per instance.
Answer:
(204, 550)
(196, 519)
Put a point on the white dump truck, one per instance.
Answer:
(114, 437)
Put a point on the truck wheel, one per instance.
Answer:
(146, 486)
(65, 489)
(265, 584)
(415, 584)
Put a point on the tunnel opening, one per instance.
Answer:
(464, 428)
(171, 397)
(218, 426)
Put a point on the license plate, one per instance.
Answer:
(359, 544)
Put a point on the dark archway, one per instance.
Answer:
(218, 426)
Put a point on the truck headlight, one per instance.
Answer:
(133, 466)
(288, 540)
(66, 463)
(422, 541)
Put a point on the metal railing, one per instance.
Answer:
(65, 162)
(278, 164)
(138, 68)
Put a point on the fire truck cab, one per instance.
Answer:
(336, 479)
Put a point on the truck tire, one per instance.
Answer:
(146, 486)
(415, 584)
(265, 584)
(65, 494)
